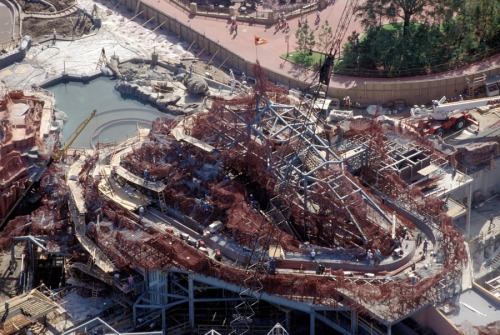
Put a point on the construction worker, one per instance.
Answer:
(377, 256)
(130, 281)
(141, 213)
(369, 256)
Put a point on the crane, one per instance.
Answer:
(442, 116)
(57, 155)
(442, 111)
(325, 71)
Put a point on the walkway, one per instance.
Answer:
(243, 43)
(52, 15)
(9, 21)
(268, 54)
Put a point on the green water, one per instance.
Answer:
(117, 118)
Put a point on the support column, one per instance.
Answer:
(191, 301)
(134, 315)
(312, 322)
(467, 215)
(12, 252)
(389, 330)
(354, 322)
(164, 320)
(31, 270)
(287, 320)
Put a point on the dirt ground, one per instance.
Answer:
(66, 27)
(39, 7)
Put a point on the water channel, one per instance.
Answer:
(117, 117)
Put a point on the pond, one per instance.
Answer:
(117, 117)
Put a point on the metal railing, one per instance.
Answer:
(419, 71)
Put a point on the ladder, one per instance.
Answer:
(90, 262)
(93, 301)
(102, 60)
(163, 205)
(95, 293)
(475, 83)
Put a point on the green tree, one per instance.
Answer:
(325, 37)
(423, 37)
(305, 39)
(374, 12)
(382, 51)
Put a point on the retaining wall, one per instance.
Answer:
(16, 55)
(415, 90)
(67, 77)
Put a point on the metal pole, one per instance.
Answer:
(467, 216)
(164, 320)
(223, 62)
(312, 322)
(191, 301)
(211, 59)
(287, 39)
(354, 322)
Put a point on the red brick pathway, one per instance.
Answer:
(269, 54)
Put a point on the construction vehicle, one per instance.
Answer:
(443, 117)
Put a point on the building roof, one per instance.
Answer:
(474, 309)
(24, 310)
(14, 324)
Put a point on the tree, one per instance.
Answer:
(374, 12)
(325, 37)
(423, 36)
(305, 38)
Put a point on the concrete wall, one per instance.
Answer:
(430, 317)
(486, 180)
(16, 55)
(415, 90)
(67, 77)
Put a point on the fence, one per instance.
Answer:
(421, 71)
(413, 90)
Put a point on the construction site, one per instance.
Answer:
(253, 211)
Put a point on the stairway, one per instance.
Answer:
(37, 328)
(470, 92)
(495, 262)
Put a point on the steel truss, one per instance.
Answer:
(310, 162)
(172, 288)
